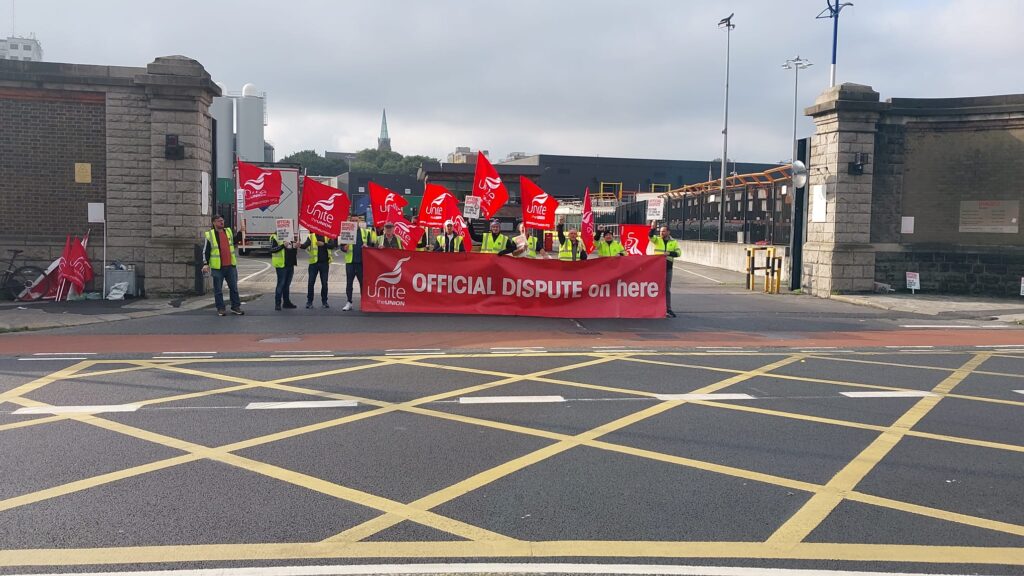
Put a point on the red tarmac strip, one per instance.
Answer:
(20, 344)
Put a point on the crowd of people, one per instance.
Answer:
(219, 255)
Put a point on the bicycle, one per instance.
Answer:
(24, 283)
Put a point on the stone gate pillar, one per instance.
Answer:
(838, 256)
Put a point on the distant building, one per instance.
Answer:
(384, 141)
(18, 48)
(465, 155)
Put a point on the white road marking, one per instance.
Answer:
(77, 409)
(890, 394)
(813, 350)
(301, 356)
(987, 326)
(415, 353)
(530, 351)
(910, 346)
(413, 350)
(720, 396)
(266, 266)
(1001, 346)
(625, 351)
(802, 348)
(188, 353)
(495, 568)
(302, 351)
(509, 399)
(180, 357)
(64, 354)
(719, 347)
(55, 358)
(702, 276)
(517, 347)
(302, 404)
(1019, 391)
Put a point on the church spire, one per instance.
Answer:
(383, 141)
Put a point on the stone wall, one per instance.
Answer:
(116, 119)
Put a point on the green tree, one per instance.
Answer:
(317, 165)
(383, 162)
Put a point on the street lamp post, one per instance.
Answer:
(727, 24)
(833, 10)
(796, 65)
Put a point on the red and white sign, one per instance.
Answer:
(472, 207)
(469, 283)
(655, 208)
(387, 204)
(285, 229)
(437, 206)
(259, 188)
(635, 238)
(323, 208)
(488, 186)
(409, 233)
(538, 206)
(587, 223)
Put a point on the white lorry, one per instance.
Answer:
(260, 223)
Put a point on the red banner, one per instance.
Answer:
(470, 283)
(538, 206)
(387, 205)
(437, 206)
(587, 223)
(261, 188)
(634, 238)
(488, 186)
(323, 208)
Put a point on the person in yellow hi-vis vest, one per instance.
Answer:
(354, 259)
(318, 248)
(449, 241)
(665, 244)
(389, 240)
(220, 260)
(283, 256)
(493, 242)
(572, 249)
(529, 243)
(607, 245)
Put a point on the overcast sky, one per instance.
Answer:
(633, 78)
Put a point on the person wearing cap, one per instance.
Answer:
(664, 243)
(493, 242)
(319, 249)
(354, 259)
(607, 245)
(448, 240)
(389, 240)
(529, 243)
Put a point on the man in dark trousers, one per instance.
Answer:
(449, 241)
(664, 244)
(284, 256)
(319, 250)
(220, 260)
(354, 259)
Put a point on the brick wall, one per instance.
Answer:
(44, 134)
(995, 272)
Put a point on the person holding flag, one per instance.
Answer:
(448, 240)
(219, 259)
(389, 239)
(493, 242)
(527, 243)
(664, 243)
(318, 248)
(607, 245)
(570, 249)
(284, 257)
(354, 259)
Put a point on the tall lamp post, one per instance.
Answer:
(833, 10)
(796, 65)
(727, 24)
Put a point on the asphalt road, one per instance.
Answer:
(201, 460)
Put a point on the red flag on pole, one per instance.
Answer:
(74, 266)
(409, 233)
(323, 208)
(634, 238)
(261, 187)
(387, 205)
(437, 206)
(538, 206)
(587, 223)
(488, 186)
(460, 227)
(80, 260)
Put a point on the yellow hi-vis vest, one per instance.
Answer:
(493, 246)
(369, 238)
(604, 249)
(531, 248)
(314, 252)
(277, 258)
(456, 242)
(566, 251)
(380, 242)
(666, 248)
(211, 237)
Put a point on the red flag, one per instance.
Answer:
(488, 186)
(437, 206)
(323, 208)
(634, 238)
(409, 233)
(74, 265)
(538, 206)
(460, 227)
(80, 260)
(587, 223)
(261, 187)
(387, 205)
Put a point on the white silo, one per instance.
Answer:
(249, 124)
(223, 111)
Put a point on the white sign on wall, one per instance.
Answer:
(96, 215)
(655, 208)
(907, 225)
(819, 203)
(1022, 286)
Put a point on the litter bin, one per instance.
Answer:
(113, 275)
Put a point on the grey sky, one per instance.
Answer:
(630, 78)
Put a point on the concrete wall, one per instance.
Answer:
(116, 120)
(726, 255)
